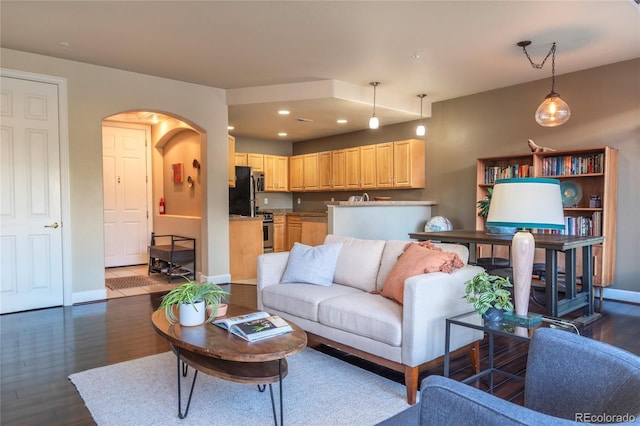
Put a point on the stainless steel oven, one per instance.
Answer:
(267, 231)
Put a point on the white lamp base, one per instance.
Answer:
(522, 249)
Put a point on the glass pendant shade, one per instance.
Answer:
(373, 122)
(553, 111)
(421, 130)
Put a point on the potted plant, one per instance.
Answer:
(192, 299)
(483, 211)
(489, 295)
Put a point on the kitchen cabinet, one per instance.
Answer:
(339, 169)
(325, 174)
(240, 159)
(245, 245)
(408, 164)
(276, 173)
(231, 150)
(384, 165)
(310, 172)
(256, 162)
(352, 168)
(313, 232)
(368, 167)
(279, 233)
(294, 231)
(296, 173)
(400, 164)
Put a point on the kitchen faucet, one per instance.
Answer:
(365, 197)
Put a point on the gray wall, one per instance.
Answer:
(605, 105)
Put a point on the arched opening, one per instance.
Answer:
(149, 156)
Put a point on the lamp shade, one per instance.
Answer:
(553, 111)
(533, 203)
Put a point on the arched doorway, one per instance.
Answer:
(140, 150)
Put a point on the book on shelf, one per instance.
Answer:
(255, 326)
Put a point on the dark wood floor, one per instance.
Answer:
(40, 349)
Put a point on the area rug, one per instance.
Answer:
(130, 282)
(319, 390)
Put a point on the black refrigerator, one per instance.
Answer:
(242, 198)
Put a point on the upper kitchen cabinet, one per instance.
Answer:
(231, 150)
(325, 171)
(240, 159)
(303, 172)
(276, 173)
(256, 162)
(400, 164)
(353, 168)
(368, 167)
(339, 169)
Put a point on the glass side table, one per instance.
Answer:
(497, 328)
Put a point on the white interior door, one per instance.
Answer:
(30, 205)
(124, 162)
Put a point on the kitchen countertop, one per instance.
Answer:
(237, 217)
(380, 203)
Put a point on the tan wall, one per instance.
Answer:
(96, 92)
(605, 104)
(180, 197)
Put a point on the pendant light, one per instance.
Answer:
(421, 130)
(373, 121)
(553, 111)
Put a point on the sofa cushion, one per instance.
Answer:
(394, 248)
(365, 314)
(301, 300)
(313, 265)
(358, 262)
(417, 258)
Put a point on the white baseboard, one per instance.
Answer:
(88, 296)
(216, 279)
(619, 295)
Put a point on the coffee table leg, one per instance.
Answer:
(273, 405)
(195, 376)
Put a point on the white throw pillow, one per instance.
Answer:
(312, 265)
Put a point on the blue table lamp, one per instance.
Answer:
(525, 203)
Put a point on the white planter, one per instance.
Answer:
(190, 316)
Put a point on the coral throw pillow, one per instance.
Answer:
(416, 259)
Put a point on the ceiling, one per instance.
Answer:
(316, 58)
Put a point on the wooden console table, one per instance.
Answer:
(552, 244)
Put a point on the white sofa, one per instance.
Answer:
(349, 317)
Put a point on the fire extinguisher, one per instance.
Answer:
(161, 205)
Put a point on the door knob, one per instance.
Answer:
(53, 225)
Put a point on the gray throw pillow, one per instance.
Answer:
(312, 265)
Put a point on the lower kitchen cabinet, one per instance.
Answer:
(245, 245)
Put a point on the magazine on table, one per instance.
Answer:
(255, 326)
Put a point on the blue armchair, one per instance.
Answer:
(570, 379)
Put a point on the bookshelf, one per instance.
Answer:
(593, 170)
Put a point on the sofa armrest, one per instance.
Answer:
(429, 299)
(472, 406)
(271, 267)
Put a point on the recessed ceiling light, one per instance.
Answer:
(341, 121)
(282, 134)
(65, 44)
(230, 127)
(284, 112)
(416, 56)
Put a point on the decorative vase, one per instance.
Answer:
(222, 310)
(493, 315)
(192, 314)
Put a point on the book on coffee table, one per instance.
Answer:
(255, 326)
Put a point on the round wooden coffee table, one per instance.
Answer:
(215, 351)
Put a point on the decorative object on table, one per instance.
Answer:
(571, 192)
(483, 211)
(553, 111)
(489, 295)
(537, 148)
(528, 321)
(222, 310)
(438, 224)
(526, 203)
(192, 299)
